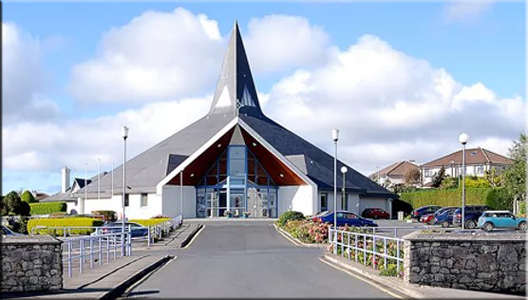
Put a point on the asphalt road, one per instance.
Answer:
(249, 260)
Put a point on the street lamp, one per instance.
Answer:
(335, 137)
(344, 169)
(125, 136)
(463, 138)
(378, 168)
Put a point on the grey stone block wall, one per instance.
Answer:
(484, 262)
(31, 264)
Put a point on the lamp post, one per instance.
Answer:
(463, 138)
(378, 168)
(181, 193)
(112, 180)
(85, 189)
(344, 170)
(335, 137)
(125, 136)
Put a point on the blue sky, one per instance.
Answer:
(486, 45)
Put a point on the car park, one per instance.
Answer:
(427, 219)
(344, 218)
(444, 216)
(375, 213)
(500, 219)
(424, 210)
(471, 215)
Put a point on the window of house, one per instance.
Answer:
(479, 169)
(126, 200)
(144, 200)
(324, 202)
(427, 173)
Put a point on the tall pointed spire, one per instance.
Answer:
(235, 90)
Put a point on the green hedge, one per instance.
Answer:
(63, 222)
(149, 222)
(47, 208)
(290, 216)
(446, 197)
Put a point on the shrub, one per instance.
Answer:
(500, 199)
(28, 197)
(445, 197)
(149, 222)
(14, 205)
(63, 222)
(290, 216)
(108, 215)
(46, 208)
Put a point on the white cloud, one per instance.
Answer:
(466, 10)
(47, 147)
(391, 106)
(23, 77)
(157, 56)
(280, 42)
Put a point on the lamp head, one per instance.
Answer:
(125, 132)
(463, 138)
(344, 169)
(335, 134)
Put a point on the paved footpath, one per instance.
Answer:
(250, 259)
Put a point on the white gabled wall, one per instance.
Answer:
(298, 198)
(172, 203)
(134, 210)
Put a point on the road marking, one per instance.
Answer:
(363, 279)
(194, 237)
(287, 237)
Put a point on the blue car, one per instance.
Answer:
(500, 219)
(444, 216)
(116, 227)
(471, 215)
(344, 218)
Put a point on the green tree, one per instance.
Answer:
(494, 178)
(515, 175)
(15, 206)
(438, 178)
(412, 176)
(28, 197)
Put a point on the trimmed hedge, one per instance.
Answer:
(290, 216)
(63, 222)
(149, 222)
(47, 208)
(446, 197)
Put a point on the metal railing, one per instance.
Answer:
(162, 229)
(62, 230)
(364, 243)
(95, 248)
(393, 231)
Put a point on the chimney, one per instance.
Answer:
(65, 179)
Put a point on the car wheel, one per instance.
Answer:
(445, 224)
(488, 227)
(522, 225)
(470, 224)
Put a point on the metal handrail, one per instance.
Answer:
(114, 241)
(333, 237)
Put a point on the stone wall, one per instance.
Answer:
(31, 263)
(482, 261)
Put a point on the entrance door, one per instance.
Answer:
(238, 207)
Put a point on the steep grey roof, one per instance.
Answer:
(66, 196)
(235, 96)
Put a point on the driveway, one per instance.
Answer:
(249, 260)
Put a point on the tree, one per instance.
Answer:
(494, 178)
(15, 206)
(28, 197)
(412, 176)
(387, 183)
(515, 175)
(438, 178)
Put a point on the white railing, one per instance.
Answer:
(95, 248)
(393, 231)
(61, 230)
(162, 229)
(364, 243)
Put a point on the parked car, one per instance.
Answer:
(424, 210)
(7, 231)
(344, 218)
(500, 219)
(444, 216)
(472, 213)
(115, 227)
(375, 213)
(427, 219)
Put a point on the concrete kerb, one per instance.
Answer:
(191, 235)
(296, 241)
(123, 286)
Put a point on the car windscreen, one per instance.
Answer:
(323, 213)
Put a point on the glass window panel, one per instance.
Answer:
(237, 167)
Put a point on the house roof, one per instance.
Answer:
(396, 169)
(235, 99)
(474, 156)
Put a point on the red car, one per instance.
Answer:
(375, 213)
(428, 219)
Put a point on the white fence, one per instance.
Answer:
(346, 242)
(89, 249)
